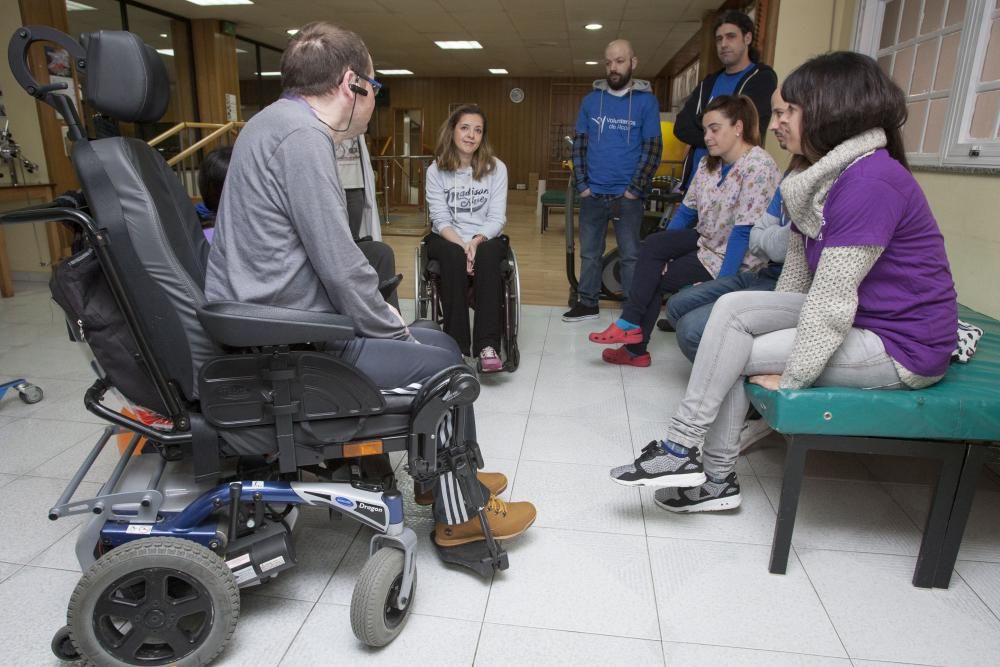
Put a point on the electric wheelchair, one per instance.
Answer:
(257, 420)
(428, 304)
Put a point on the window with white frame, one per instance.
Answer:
(945, 55)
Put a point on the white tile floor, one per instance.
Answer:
(603, 578)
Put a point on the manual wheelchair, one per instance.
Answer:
(256, 419)
(428, 304)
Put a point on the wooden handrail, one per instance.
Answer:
(166, 135)
(198, 145)
(184, 125)
(385, 146)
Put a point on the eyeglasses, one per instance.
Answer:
(376, 85)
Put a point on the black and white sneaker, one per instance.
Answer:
(658, 467)
(580, 312)
(709, 497)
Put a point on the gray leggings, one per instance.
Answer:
(752, 333)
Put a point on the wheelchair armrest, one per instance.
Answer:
(387, 287)
(236, 324)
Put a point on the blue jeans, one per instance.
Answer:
(688, 310)
(595, 212)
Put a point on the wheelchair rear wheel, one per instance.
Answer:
(375, 618)
(154, 601)
(512, 316)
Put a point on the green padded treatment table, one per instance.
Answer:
(956, 421)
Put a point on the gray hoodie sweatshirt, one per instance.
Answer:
(468, 206)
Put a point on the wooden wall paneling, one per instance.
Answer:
(767, 28)
(182, 96)
(60, 169)
(216, 69)
(566, 99)
(519, 133)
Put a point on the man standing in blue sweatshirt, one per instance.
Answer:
(615, 154)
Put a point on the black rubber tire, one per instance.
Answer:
(184, 560)
(512, 356)
(62, 645)
(376, 590)
(611, 281)
(31, 393)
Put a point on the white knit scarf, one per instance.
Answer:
(805, 193)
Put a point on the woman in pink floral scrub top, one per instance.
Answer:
(709, 234)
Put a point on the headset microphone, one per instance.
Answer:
(357, 89)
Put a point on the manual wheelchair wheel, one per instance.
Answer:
(62, 645)
(154, 601)
(30, 393)
(375, 619)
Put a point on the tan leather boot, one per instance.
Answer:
(496, 482)
(506, 520)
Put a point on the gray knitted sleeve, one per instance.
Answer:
(795, 276)
(828, 312)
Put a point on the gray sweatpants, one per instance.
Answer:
(752, 333)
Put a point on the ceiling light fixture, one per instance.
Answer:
(210, 3)
(78, 7)
(459, 45)
(590, 62)
(166, 52)
(164, 35)
(269, 73)
(593, 26)
(393, 72)
(498, 70)
(292, 31)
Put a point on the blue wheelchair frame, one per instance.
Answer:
(122, 515)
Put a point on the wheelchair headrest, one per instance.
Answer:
(126, 79)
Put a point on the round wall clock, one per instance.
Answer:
(516, 95)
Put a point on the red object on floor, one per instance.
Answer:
(615, 335)
(621, 356)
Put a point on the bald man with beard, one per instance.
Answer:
(615, 154)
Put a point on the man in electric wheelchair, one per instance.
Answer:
(273, 355)
(282, 238)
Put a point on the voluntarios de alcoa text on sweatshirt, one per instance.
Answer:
(468, 206)
(614, 128)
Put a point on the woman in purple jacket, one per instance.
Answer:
(865, 300)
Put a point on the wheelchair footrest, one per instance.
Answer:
(476, 556)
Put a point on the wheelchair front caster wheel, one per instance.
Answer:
(375, 616)
(154, 601)
(30, 393)
(62, 645)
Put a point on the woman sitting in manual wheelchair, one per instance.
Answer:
(467, 200)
